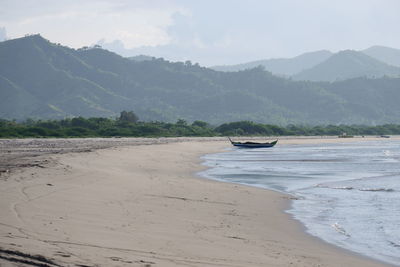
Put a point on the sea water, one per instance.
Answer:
(346, 194)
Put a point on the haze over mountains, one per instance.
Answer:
(282, 66)
(346, 65)
(39, 79)
(388, 55)
(376, 61)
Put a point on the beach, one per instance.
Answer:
(140, 202)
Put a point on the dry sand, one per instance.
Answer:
(144, 206)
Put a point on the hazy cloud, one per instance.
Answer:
(78, 23)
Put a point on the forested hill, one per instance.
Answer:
(39, 79)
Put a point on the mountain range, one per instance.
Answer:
(388, 55)
(346, 65)
(282, 66)
(42, 80)
(376, 61)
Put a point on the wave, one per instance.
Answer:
(377, 189)
(340, 229)
(393, 244)
(343, 187)
(335, 187)
(359, 189)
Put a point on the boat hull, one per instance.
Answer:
(253, 144)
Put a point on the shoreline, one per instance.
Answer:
(310, 140)
(146, 206)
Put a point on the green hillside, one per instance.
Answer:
(39, 79)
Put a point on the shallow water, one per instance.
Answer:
(348, 194)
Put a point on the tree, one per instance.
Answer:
(128, 116)
(181, 122)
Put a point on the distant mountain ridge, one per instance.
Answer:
(314, 66)
(282, 66)
(390, 56)
(346, 65)
(39, 79)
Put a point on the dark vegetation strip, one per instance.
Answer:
(21, 257)
(27, 262)
(131, 127)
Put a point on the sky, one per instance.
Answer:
(209, 32)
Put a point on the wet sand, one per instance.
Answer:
(119, 202)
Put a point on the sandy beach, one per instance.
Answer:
(139, 202)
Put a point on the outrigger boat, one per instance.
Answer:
(252, 144)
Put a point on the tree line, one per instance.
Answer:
(128, 125)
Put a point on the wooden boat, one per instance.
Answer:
(252, 144)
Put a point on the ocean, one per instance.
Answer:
(346, 194)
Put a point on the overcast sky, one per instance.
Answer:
(210, 32)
